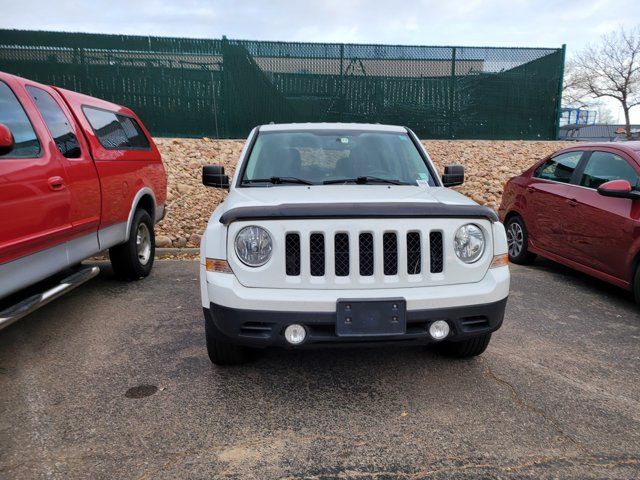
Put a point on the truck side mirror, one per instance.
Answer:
(213, 176)
(453, 175)
(619, 189)
(6, 140)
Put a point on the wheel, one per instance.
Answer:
(518, 241)
(466, 348)
(223, 353)
(636, 285)
(134, 258)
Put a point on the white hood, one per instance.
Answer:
(253, 196)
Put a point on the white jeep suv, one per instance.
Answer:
(344, 234)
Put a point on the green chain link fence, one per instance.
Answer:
(222, 88)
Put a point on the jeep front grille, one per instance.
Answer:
(343, 252)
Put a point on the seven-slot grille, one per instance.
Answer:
(344, 244)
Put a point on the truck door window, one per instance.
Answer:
(57, 122)
(13, 116)
(115, 131)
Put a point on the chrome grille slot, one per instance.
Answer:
(342, 257)
(435, 249)
(390, 251)
(292, 254)
(365, 243)
(316, 254)
(414, 253)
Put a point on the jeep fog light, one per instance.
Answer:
(468, 243)
(253, 246)
(295, 334)
(439, 329)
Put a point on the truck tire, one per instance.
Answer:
(518, 241)
(223, 353)
(466, 348)
(133, 259)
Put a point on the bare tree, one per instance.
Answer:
(608, 69)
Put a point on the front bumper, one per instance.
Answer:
(262, 328)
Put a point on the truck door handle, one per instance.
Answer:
(572, 202)
(56, 184)
(531, 189)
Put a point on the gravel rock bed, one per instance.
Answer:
(488, 165)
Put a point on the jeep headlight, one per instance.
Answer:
(468, 243)
(253, 246)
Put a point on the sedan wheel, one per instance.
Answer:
(518, 241)
(515, 239)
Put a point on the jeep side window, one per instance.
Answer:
(13, 116)
(604, 166)
(559, 168)
(57, 122)
(115, 131)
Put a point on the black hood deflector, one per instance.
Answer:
(304, 211)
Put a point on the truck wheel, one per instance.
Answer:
(134, 258)
(223, 353)
(466, 348)
(518, 241)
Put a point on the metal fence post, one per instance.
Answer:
(452, 91)
(560, 86)
(341, 102)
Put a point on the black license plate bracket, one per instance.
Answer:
(367, 317)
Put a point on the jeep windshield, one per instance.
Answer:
(334, 157)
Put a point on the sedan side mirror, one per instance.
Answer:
(453, 175)
(213, 176)
(618, 188)
(6, 140)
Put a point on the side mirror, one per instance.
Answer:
(213, 176)
(453, 175)
(618, 188)
(6, 140)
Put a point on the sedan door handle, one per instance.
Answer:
(56, 184)
(572, 202)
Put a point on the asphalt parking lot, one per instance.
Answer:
(113, 381)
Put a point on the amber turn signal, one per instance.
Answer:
(220, 266)
(500, 260)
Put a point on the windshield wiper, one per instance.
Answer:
(365, 180)
(279, 180)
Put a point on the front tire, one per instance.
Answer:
(223, 353)
(636, 285)
(518, 241)
(133, 259)
(466, 348)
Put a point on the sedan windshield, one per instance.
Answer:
(335, 157)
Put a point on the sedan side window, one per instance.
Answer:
(559, 168)
(603, 167)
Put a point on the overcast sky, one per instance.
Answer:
(546, 23)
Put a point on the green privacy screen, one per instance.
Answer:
(223, 88)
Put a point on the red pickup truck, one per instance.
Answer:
(78, 175)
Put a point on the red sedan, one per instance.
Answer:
(579, 207)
